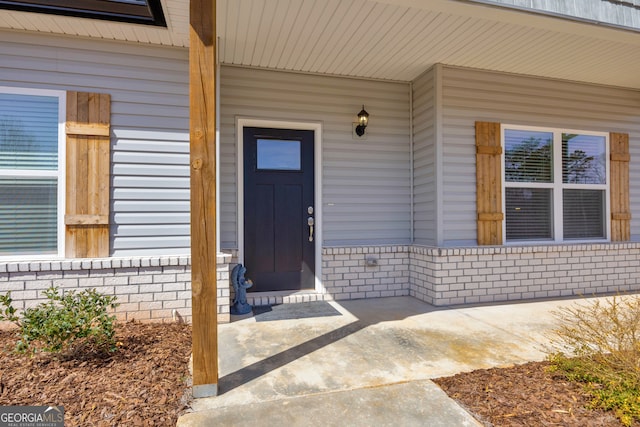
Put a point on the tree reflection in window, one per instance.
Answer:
(528, 160)
(583, 159)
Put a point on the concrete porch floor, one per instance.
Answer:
(369, 365)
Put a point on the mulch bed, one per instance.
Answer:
(145, 383)
(524, 395)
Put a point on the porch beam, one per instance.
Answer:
(202, 134)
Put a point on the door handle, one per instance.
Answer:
(310, 223)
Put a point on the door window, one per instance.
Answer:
(278, 154)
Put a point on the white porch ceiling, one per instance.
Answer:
(382, 39)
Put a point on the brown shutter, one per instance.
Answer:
(87, 197)
(619, 188)
(489, 183)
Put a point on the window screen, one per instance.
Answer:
(529, 214)
(28, 216)
(28, 132)
(583, 212)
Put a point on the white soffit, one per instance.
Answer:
(383, 39)
(400, 39)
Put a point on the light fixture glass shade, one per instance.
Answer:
(363, 117)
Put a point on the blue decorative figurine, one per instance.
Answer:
(240, 286)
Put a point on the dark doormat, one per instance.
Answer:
(265, 313)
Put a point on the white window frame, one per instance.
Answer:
(59, 174)
(557, 185)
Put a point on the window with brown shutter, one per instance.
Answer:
(87, 174)
(554, 183)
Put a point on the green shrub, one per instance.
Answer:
(68, 323)
(602, 339)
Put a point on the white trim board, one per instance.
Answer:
(316, 127)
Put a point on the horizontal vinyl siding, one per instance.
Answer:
(150, 127)
(366, 183)
(472, 95)
(424, 157)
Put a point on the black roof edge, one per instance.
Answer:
(155, 9)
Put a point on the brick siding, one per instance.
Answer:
(448, 276)
(159, 288)
(365, 272)
(349, 273)
(148, 288)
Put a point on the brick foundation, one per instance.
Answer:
(365, 272)
(159, 288)
(148, 288)
(349, 273)
(447, 276)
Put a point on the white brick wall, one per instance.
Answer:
(348, 273)
(446, 276)
(148, 288)
(450, 276)
(151, 288)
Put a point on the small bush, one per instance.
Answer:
(67, 323)
(603, 341)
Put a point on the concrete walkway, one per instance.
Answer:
(364, 362)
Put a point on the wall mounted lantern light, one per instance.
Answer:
(363, 121)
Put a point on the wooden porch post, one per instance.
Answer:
(202, 123)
